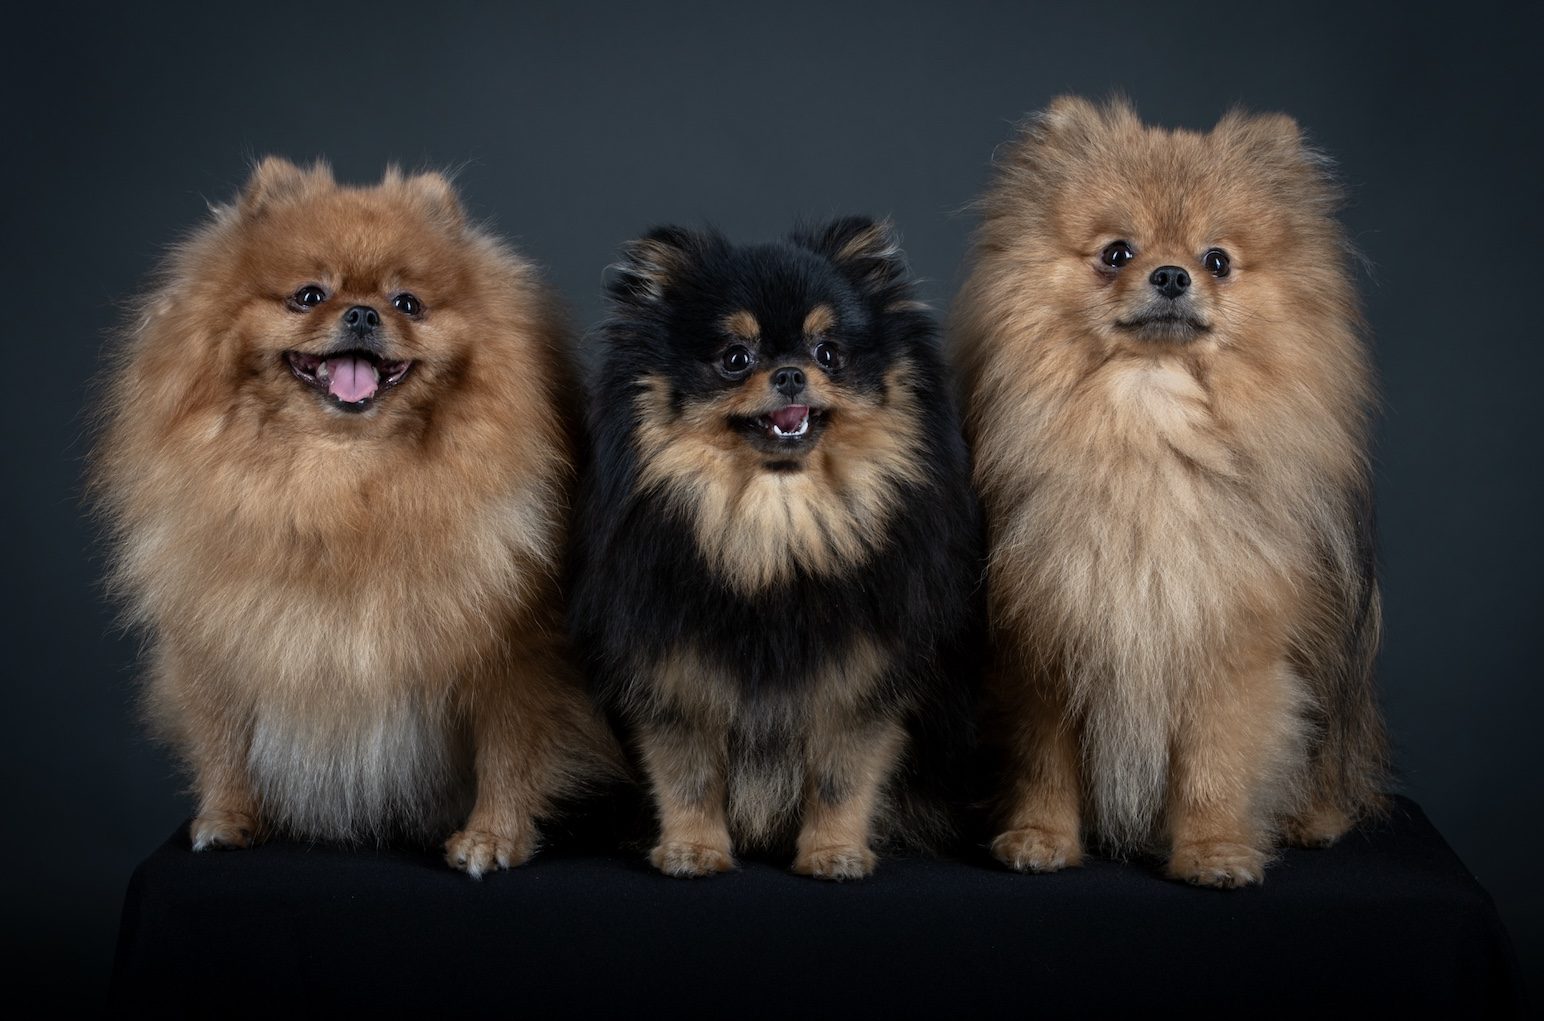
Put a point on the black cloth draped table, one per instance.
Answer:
(1387, 920)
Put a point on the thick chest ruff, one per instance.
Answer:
(284, 600)
(1144, 531)
(349, 660)
(757, 528)
(1148, 559)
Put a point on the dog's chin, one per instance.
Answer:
(783, 437)
(352, 381)
(1164, 327)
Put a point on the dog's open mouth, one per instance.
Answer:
(788, 423)
(787, 429)
(351, 380)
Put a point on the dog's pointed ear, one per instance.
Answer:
(438, 192)
(650, 265)
(1274, 145)
(432, 190)
(1273, 136)
(1072, 123)
(866, 250)
(276, 179)
(1070, 116)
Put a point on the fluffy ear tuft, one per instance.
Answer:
(431, 188)
(868, 251)
(1072, 122)
(276, 179)
(437, 190)
(1269, 134)
(651, 263)
(1069, 113)
(1053, 142)
(1275, 145)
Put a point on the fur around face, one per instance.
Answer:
(353, 618)
(780, 622)
(1181, 576)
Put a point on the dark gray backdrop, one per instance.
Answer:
(575, 126)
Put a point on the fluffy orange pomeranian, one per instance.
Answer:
(336, 469)
(1169, 397)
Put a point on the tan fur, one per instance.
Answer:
(834, 840)
(827, 780)
(878, 242)
(819, 320)
(742, 324)
(1170, 524)
(651, 263)
(353, 618)
(757, 527)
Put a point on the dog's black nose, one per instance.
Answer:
(361, 319)
(788, 380)
(1171, 281)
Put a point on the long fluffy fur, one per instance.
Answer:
(353, 620)
(785, 642)
(1181, 579)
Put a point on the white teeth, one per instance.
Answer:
(321, 372)
(804, 427)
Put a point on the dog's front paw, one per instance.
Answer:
(1317, 827)
(223, 830)
(1033, 849)
(476, 852)
(838, 862)
(686, 860)
(1218, 863)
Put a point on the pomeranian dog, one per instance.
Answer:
(1169, 402)
(778, 547)
(336, 466)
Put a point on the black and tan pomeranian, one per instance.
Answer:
(1169, 398)
(777, 546)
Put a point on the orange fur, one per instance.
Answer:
(354, 619)
(1174, 551)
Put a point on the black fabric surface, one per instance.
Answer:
(1387, 920)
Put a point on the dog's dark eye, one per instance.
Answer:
(827, 356)
(737, 359)
(309, 296)
(407, 304)
(1216, 262)
(1116, 254)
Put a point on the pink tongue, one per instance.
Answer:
(350, 379)
(788, 419)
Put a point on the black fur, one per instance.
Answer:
(641, 584)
